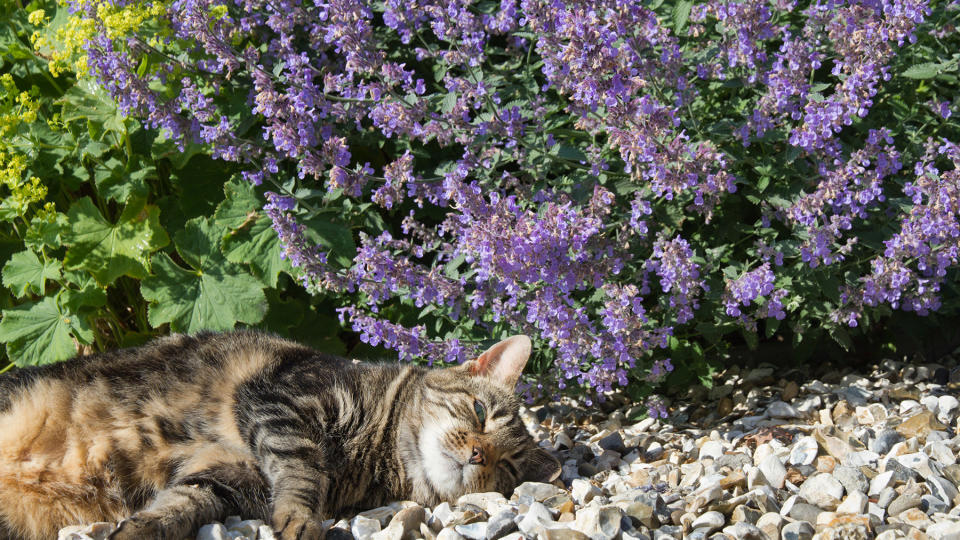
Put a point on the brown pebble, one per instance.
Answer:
(826, 463)
(566, 517)
(790, 391)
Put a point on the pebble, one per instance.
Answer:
(709, 521)
(797, 530)
(843, 455)
(902, 503)
(822, 490)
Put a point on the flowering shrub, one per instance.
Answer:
(634, 184)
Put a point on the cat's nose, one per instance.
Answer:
(477, 458)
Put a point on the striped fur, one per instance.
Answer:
(187, 430)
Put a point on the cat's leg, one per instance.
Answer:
(195, 500)
(298, 486)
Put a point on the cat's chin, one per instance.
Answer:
(447, 475)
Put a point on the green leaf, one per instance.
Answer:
(681, 14)
(926, 70)
(87, 100)
(43, 232)
(258, 246)
(110, 250)
(115, 183)
(41, 333)
(212, 295)
(240, 199)
(333, 236)
(26, 273)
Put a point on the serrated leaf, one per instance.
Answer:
(926, 70)
(681, 14)
(110, 250)
(212, 295)
(240, 199)
(46, 233)
(88, 100)
(26, 273)
(257, 245)
(41, 333)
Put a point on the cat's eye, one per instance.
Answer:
(481, 411)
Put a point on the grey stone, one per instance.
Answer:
(779, 409)
(745, 513)
(449, 534)
(942, 488)
(599, 523)
(501, 524)
(902, 503)
(248, 528)
(473, 531)
(854, 395)
(863, 458)
(773, 471)
(535, 520)
(851, 479)
(711, 449)
(266, 533)
(944, 530)
(798, 530)
(901, 474)
(338, 533)
(884, 441)
(880, 482)
(885, 497)
(744, 531)
(363, 527)
(562, 534)
(583, 491)
(538, 490)
(93, 531)
(804, 451)
(709, 521)
(805, 512)
(667, 532)
(854, 503)
(392, 532)
(213, 531)
(614, 442)
(822, 490)
(735, 461)
(931, 505)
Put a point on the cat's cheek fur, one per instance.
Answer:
(443, 472)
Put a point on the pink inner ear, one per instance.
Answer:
(504, 362)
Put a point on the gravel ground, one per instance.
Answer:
(761, 455)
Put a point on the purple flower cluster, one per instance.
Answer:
(672, 261)
(750, 286)
(543, 161)
(913, 266)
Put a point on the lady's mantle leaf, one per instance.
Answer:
(110, 250)
(42, 332)
(26, 273)
(213, 294)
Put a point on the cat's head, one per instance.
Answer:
(471, 438)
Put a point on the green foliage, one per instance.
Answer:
(87, 258)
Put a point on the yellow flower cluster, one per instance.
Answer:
(63, 44)
(16, 107)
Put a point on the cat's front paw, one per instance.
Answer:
(138, 526)
(296, 524)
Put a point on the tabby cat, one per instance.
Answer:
(189, 429)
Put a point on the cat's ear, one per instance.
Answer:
(503, 362)
(541, 466)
